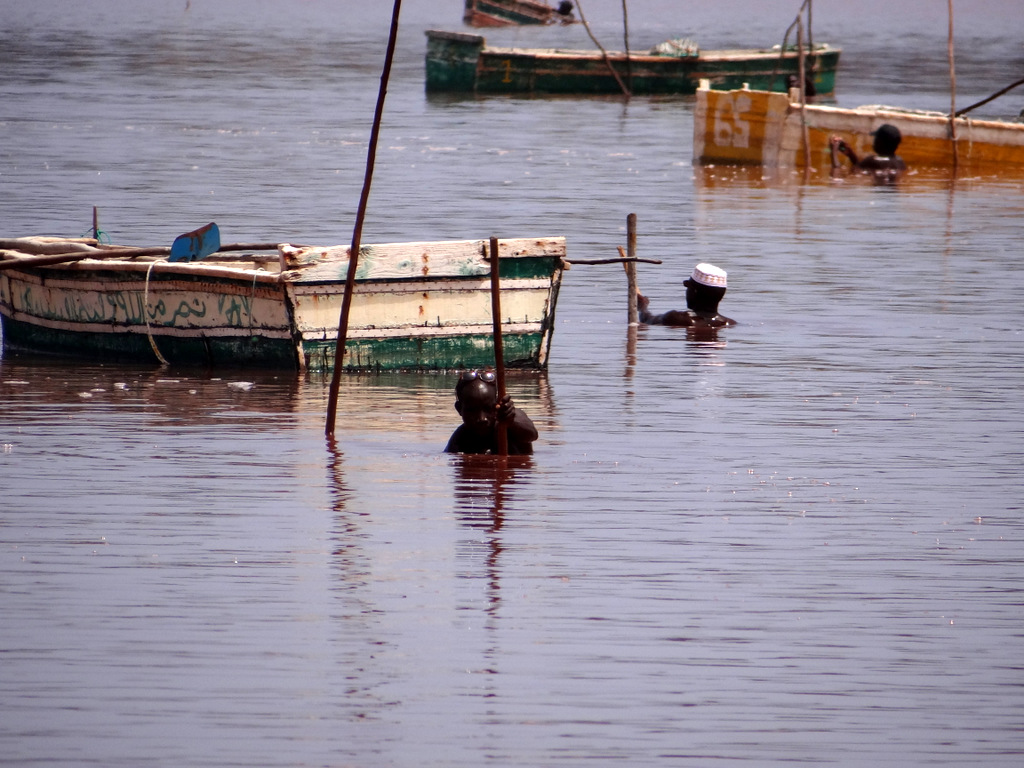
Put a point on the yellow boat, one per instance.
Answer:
(748, 127)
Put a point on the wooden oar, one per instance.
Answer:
(499, 350)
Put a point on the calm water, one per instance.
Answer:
(799, 544)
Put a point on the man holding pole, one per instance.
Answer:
(484, 415)
(490, 423)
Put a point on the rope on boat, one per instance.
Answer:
(99, 235)
(252, 298)
(145, 315)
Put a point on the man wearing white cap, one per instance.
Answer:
(704, 289)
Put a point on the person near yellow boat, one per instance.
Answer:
(884, 163)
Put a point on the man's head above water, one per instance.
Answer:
(476, 396)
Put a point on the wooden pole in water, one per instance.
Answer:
(346, 304)
(625, 39)
(810, 27)
(633, 315)
(499, 348)
(802, 74)
(952, 93)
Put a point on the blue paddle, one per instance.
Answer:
(193, 246)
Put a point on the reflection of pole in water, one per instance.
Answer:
(481, 486)
(947, 252)
(631, 335)
(481, 489)
(339, 493)
(353, 565)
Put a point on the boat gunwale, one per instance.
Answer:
(925, 117)
(155, 265)
(725, 55)
(212, 268)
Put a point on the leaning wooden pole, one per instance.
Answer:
(353, 261)
(987, 99)
(499, 347)
(604, 54)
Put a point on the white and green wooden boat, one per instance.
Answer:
(416, 306)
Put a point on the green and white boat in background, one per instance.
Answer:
(460, 62)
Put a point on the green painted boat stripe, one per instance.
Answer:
(528, 350)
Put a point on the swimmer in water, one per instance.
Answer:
(884, 163)
(704, 290)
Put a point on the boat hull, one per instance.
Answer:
(212, 350)
(747, 127)
(415, 306)
(457, 62)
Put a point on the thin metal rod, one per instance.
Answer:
(346, 303)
